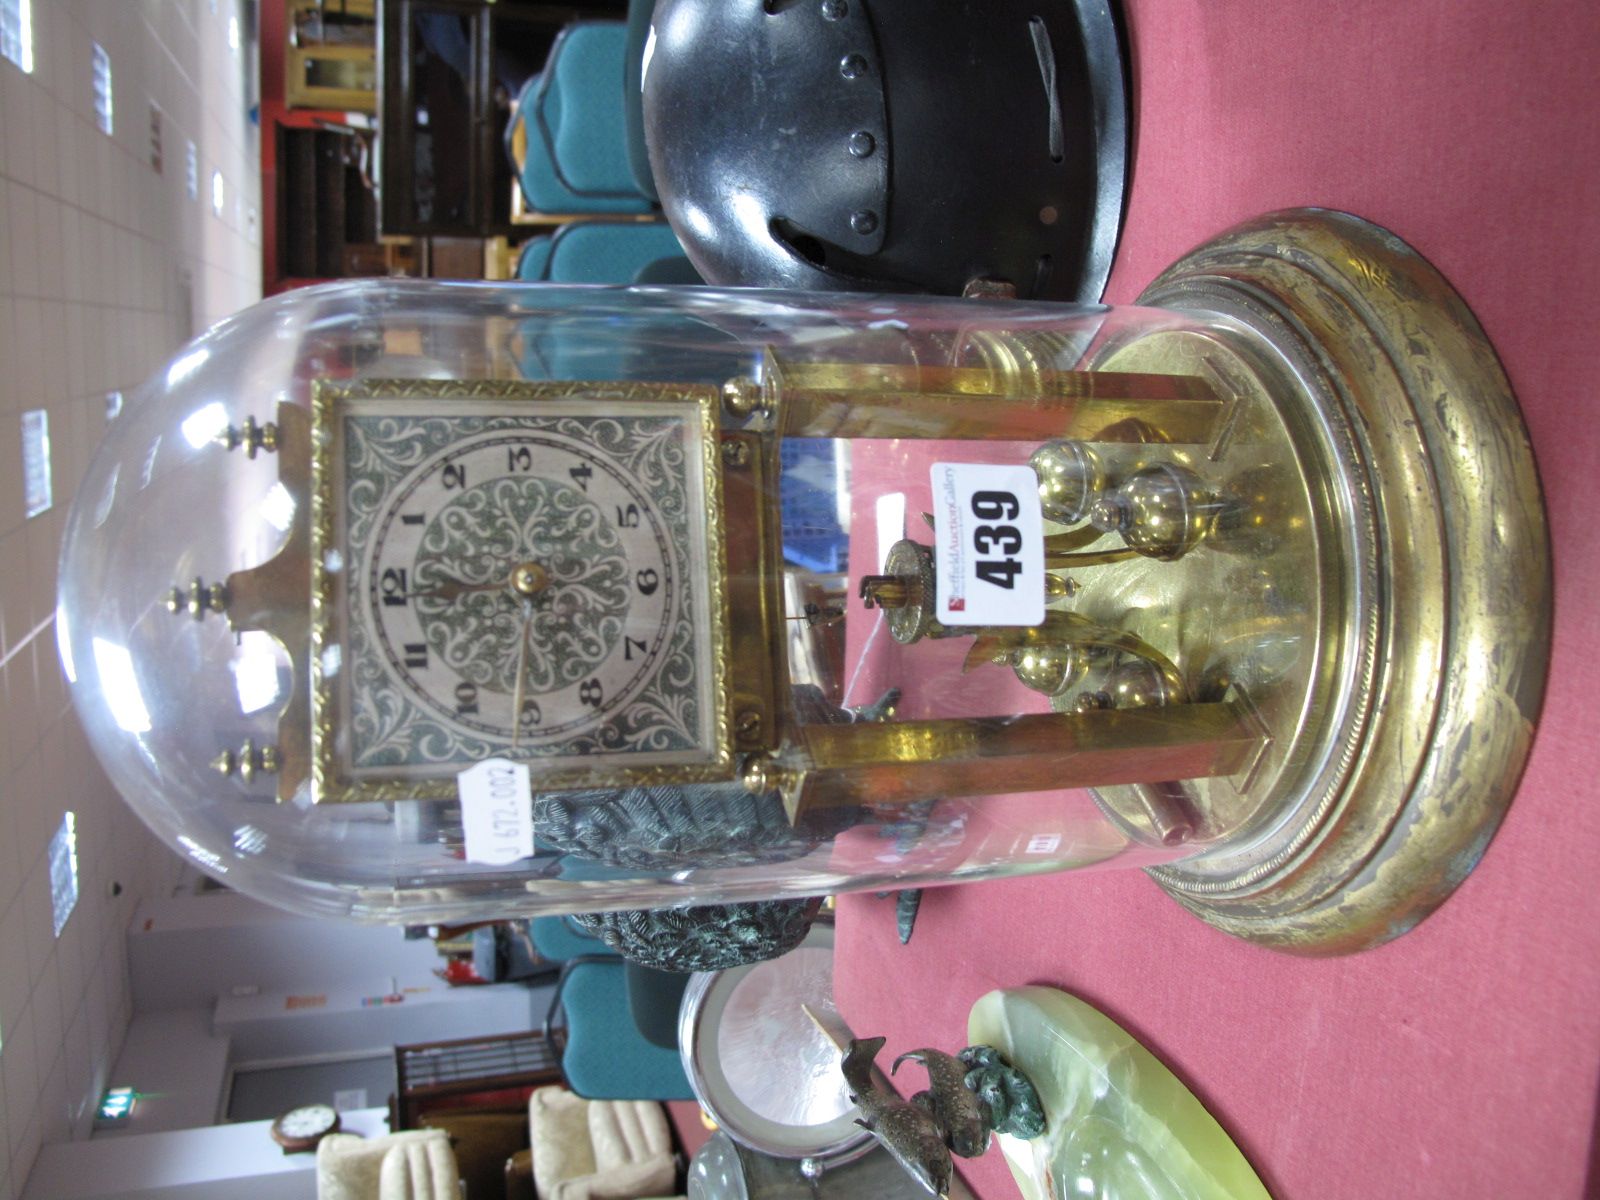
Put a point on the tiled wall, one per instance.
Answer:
(106, 266)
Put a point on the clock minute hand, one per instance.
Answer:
(522, 668)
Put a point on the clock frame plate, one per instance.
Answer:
(331, 780)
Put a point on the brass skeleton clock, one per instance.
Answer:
(777, 594)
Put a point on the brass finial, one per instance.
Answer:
(200, 599)
(248, 761)
(1161, 512)
(1071, 479)
(251, 436)
(742, 397)
(757, 775)
(1134, 683)
(1049, 669)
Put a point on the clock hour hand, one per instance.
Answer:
(526, 579)
(450, 589)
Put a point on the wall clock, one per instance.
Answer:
(300, 1129)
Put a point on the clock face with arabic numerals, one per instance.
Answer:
(513, 570)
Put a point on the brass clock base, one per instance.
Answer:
(1435, 604)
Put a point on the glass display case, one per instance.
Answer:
(771, 594)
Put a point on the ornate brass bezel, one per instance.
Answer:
(328, 785)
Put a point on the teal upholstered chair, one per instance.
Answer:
(557, 940)
(606, 252)
(570, 117)
(640, 13)
(598, 252)
(611, 251)
(534, 257)
(601, 999)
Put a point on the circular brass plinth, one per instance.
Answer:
(1436, 585)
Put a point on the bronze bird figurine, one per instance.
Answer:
(956, 1109)
(905, 1130)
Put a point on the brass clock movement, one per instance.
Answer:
(775, 594)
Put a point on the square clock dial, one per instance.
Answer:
(531, 571)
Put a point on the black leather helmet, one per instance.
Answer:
(903, 145)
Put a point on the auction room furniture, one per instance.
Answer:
(415, 1165)
(594, 1149)
(448, 71)
(602, 1013)
(568, 134)
(433, 1075)
(605, 252)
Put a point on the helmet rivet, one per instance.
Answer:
(862, 143)
(864, 222)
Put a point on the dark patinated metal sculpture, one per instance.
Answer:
(962, 1116)
(906, 903)
(668, 827)
(1011, 1101)
(671, 826)
(969, 1096)
(907, 1131)
(711, 937)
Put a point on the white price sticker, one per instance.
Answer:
(988, 545)
(496, 812)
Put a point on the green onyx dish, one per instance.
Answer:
(1119, 1124)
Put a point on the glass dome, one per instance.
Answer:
(688, 555)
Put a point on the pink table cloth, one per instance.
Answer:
(1462, 1059)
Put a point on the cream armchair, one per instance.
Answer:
(596, 1149)
(415, 1165)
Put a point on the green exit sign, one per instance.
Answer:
(117, 1104)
